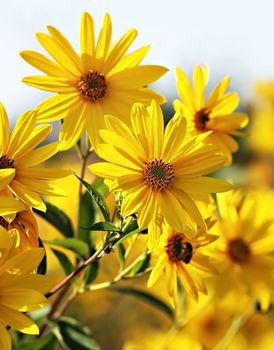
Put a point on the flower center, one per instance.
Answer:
(6, 162)
(92, 86)
(177, 250)
(238, 250)
(200, 119)
(158, 174)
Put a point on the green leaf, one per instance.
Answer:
(57, 218)
(91, 272)
(141, 265)
(88, 215)
(149, 298)
(75, 245)
(73, 335)
(121, 253)
(46, 342)
(64, 261)
(99, 199)
(42, 268)
(133, 226)
(103, 226)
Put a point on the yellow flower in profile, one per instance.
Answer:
(215, 113)
(244, 251)
(25, 224)
(19, 158)
(20, 289)
(102, 80)
(161, 172)
(178, 255)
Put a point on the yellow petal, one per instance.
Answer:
(10, 205)
(87, 35)
(226, 105)
(22, 130)
(27, 195)
(42, 63)
(108, 170)
(174, 136)
(72, 128)
(6, 176)
(157, 271)
(48, 83)
(218, 93)
(56, 107)
(4, 131)
(185, 89)
(118, 156)
(136, 77)
(5, 339)
(38, 155)
(38, 135)
(131, 60)
(119, 50)
(199, 87)
(104, 38)
(203, 184)
(18, 321)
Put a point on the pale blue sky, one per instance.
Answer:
(234, 37)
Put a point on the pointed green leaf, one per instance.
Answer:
(75, 245)
(103, 226)
(99, 199)
(73, 335)
(64, 261)
(57, 218)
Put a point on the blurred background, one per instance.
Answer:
(231, 37)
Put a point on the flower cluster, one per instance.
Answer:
(156, 185)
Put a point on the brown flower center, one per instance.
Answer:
(6, 162)
(177, 250)
(92, 86)
(201, 118)
(238, 250)
(158, 174)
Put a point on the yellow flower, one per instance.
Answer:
(18, 157)
(216, 113)
(20, 290)
(244, 251)
(263, 119)
(161, 173)
(100, 81)
(179, 256)
(25, 223)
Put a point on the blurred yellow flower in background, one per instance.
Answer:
(20, 289)
(19, 158)
(244, 251)
(102, 80)
(216, 113)
(160, 172)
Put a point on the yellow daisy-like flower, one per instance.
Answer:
(179, 256)
(101, 80)
(245, 249)
(161, 172)
(20, 290)
(18, 158)
(215, 113)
